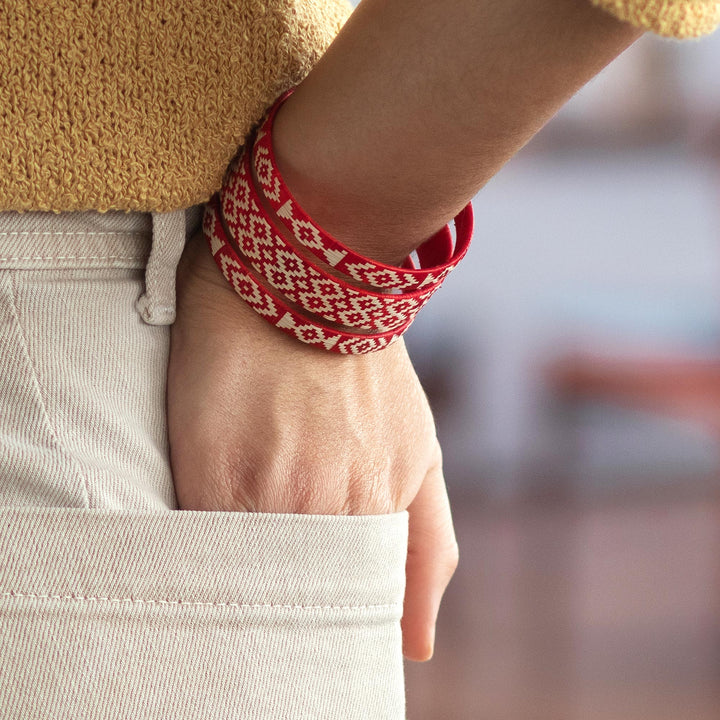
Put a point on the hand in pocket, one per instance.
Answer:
(259, 422)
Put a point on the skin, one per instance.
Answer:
(436, 97)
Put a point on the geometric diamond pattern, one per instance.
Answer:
(274, 309)
(300, 297)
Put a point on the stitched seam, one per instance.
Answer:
(190, 603)
(74, 233)
(4, 258)
(38, 388)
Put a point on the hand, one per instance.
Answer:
(279, 426)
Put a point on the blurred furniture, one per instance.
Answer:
(682, 387)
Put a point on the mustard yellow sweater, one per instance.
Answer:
(141, 104)
(671, 18)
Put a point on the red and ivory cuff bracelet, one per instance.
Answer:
(304, 281)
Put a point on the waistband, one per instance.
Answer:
(90, 239)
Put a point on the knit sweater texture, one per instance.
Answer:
(141, 104)
(670, 18)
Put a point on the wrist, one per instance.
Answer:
(360, 205)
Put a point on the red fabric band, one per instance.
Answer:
(311, 301)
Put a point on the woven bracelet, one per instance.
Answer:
(346, 303)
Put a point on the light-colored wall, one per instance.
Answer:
(616, 248)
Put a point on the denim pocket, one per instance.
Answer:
(35, 468)
(82, 382)
(194, 614)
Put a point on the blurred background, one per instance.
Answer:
(573, 363)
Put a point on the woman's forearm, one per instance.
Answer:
(418, 103)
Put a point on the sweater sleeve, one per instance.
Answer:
(671, 18)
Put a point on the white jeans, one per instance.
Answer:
(114, 604)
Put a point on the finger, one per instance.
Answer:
(431, 562)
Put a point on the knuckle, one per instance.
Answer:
(447, 562)
(452, 558)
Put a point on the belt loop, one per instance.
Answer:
(157, 305)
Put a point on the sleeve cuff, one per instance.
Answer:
(670, 18)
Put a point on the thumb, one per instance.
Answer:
(431, 562)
